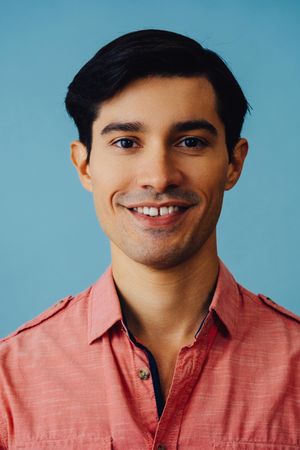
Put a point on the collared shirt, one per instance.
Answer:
(73, 379)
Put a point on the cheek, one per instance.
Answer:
(108, 178)
(211, 176)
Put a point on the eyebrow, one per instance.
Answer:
(200, 124)
(189, 125)
(123, 126)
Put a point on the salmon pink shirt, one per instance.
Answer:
(75, 378)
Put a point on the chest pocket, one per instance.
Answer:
(76, 443)
(253, 446)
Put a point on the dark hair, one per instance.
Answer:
(145, 53)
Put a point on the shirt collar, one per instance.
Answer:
(226, 301)
(104, 308)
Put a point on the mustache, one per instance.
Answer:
(150, 195)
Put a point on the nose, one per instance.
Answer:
(159, 170)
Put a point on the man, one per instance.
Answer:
(166, 350)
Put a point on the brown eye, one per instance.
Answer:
(193, 142)
(124, 143)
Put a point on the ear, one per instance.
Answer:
(79, 159)
(236, 164)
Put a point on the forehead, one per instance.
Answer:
(160, 101)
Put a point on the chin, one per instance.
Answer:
(161, 260)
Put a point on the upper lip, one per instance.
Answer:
(159, 204)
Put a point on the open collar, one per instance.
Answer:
(104, 308)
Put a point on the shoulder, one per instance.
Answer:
(53, 313)
(278, 309)
(269, 311)
(48, 313)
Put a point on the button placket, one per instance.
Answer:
(188, 369)
(145, 392)
(184, 379)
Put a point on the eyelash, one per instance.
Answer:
(201, 142)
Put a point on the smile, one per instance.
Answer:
(153, 211)
(159, 216)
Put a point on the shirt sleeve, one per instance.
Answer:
(3, 433)
(3, 422)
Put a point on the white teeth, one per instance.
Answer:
(153, 211)
(163, 210)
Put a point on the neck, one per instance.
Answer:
(169, 303)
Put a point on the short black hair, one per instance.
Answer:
(146, 53)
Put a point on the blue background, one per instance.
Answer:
(51, 244)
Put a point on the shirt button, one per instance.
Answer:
(161, 447)
(144, 374)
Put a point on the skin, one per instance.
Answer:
(165, 269)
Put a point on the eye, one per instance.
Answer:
(192, 142)
(125, 143)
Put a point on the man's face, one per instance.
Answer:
(158, 169)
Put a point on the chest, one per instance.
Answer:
(218, 400)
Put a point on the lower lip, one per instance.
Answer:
(159, 221)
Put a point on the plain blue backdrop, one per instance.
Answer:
(51, 243)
